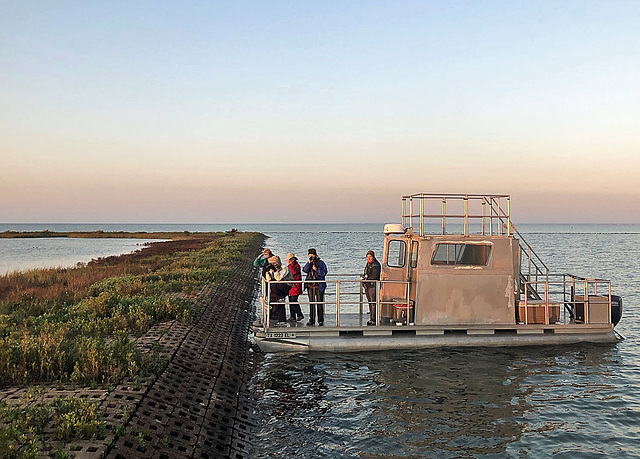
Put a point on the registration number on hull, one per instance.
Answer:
(281, 335)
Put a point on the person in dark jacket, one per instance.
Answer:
(371, 273)
(316, 269)
(295, 291)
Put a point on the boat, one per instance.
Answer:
(455, 272)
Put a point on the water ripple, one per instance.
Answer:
(531, 402)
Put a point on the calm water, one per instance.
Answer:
(575, 401)
(22, 254)
(531, 402)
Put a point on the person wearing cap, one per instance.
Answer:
(274, 271)
(371, 273)
(261, 259)
(316, 269)
(294, 307)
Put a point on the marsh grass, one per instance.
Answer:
(79, 325)
(75, 324)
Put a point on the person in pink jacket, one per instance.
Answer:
(294, 307)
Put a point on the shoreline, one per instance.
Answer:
(99, 234)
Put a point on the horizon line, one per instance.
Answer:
(288, 223)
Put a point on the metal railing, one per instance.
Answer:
(341, 296)
(576, 295)
(565, 299)
(491, 212)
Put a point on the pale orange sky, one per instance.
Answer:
(317, 113)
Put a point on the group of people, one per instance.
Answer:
(316, 271)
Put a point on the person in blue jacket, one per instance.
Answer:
(316, 269)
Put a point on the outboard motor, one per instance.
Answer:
(616, 309)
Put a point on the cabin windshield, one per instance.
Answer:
(461, 254)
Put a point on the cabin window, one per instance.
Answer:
(396, 253)
(461, 254)
(413, 256)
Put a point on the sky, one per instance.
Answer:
(325, 111)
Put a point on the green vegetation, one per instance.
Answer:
(22, 427)
(79, 325)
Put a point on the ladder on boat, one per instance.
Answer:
(531, 291)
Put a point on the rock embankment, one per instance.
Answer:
(200, 405)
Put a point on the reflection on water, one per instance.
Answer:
(432, 402)
(445, 403)
(22, 254)
(573, 401)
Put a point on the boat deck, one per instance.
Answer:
(353, 335)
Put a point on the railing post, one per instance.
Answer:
(404, 211)
(508, 215)
(466, 215)
(411, 212)
(268, 303)
(378, 308)
(564, 298)
(421, 214)
(546, 303)
(361, 296)
(262, 301)
(586, 301)
(444, 215)
(609, 309)
(572, 292)
(408, 291)
(491, 216)
(526, 302)
(262, 304)
(499, 219)
(337, 303)
(547, 275)
(483, 214)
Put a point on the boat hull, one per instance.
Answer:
(360, 339)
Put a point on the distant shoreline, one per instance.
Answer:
(99, 234)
